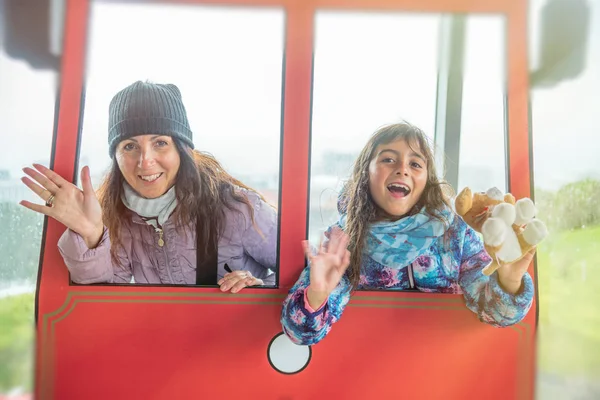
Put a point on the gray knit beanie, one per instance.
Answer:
(147, 108)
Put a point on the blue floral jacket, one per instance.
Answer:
(453, 264)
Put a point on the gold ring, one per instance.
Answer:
(50, 201)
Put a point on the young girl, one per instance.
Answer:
(398, 232)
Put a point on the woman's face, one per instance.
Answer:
(149, 163)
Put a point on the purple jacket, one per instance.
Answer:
(240, 246)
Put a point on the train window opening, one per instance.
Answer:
(444, 73)
(482, 156)
(364, 78)
(227, 63)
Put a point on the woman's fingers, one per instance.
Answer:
(53, 176)
(43, 180)
(36, 207)
(227, 277)
(226, 284)
(245, 282)
(239, 285)
(86, 182)
(43, 193)
(243, 278)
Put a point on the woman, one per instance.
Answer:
(165, 213)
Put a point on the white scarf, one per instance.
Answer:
(154, 211)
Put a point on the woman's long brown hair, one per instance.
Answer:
(358, 203)
(203, 190)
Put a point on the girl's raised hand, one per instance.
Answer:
(327, 267)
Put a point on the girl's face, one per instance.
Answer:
(149, 163)
(397, 178)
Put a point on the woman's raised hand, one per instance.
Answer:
(79, 210)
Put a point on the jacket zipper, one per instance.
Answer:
(411, 276)
(161, 244)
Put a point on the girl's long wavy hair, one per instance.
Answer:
(203, 190)
(359, 205)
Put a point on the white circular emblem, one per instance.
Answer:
(287, 357)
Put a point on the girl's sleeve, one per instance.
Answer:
(306, 326)
(483, 294)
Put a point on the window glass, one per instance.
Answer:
(366, 75)
(482, 160)
(374, 69)
(227, 63)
